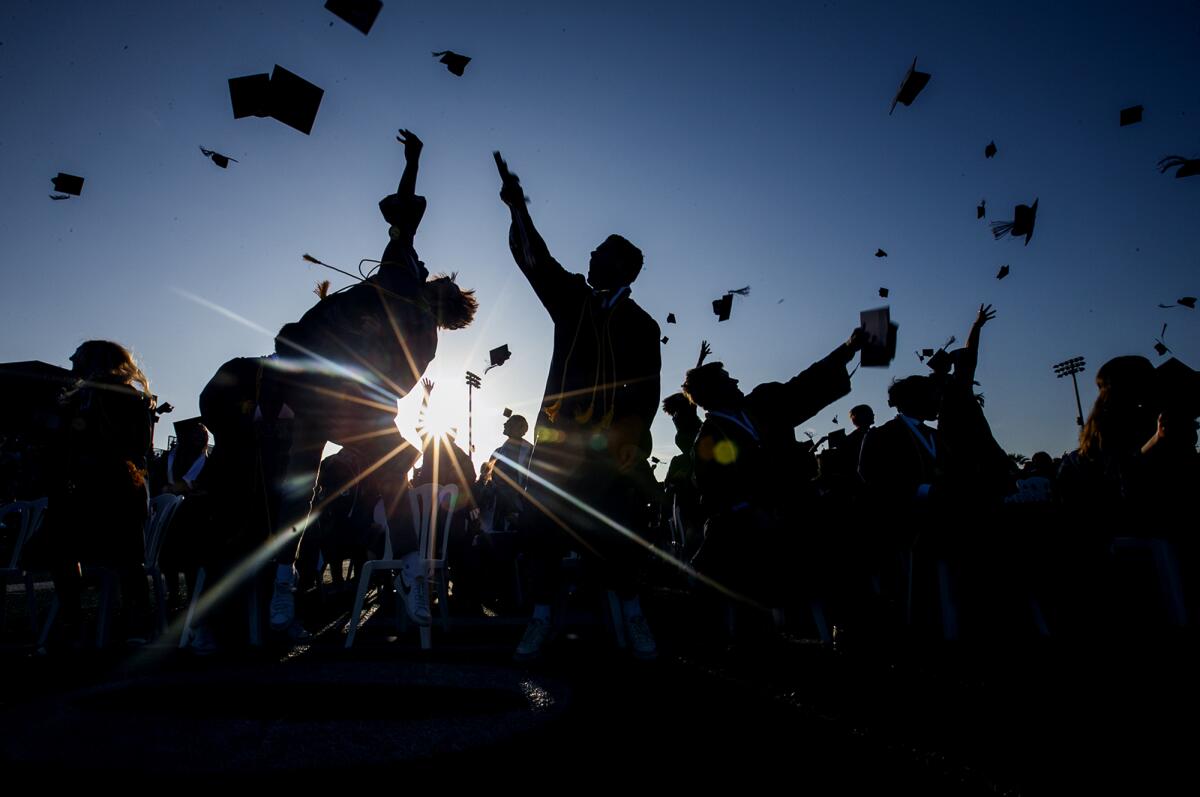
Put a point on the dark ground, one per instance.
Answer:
(1028, 718)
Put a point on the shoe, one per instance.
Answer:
(641, 641)
(202, 643)
(537, 634)
(283, 604)
(416, 599)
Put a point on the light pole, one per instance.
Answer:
(1071, 367)
(472, 383)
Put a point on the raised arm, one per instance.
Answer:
(400, 269)
(964, 368)
(822, 383)
(547, 277)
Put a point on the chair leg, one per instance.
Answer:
(364, 582)
(186, 636)
(946, 595)
(443, 586)
(53, 613)
(160, 602)
(253, 619)
(31, 604)
(618, 618)
(107, 589)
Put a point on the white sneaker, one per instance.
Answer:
(416, 598)
(537, 633)
(641, 641)
(283, 604)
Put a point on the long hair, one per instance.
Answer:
(1112, 424)
(108, 363)
(453, 307)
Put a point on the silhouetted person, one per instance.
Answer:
(899, 460)
(179, 470)
(506, 472)
(862, 418)
(745, 465)
(336, 376)
(98, 500)
(592, 436)
(683, 500)
(1107, 469)
(976, 468)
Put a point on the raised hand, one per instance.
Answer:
(986, 313)
(412, 144)
(428, 385)
(858, 339)
(511, 193)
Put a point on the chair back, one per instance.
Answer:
(162, 510)
(426, 512)
(31, 513)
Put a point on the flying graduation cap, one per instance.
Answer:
(282, 95)
(724, 306)
(665, 339)
(670, 318)
(880, 348)
(880, 253)
(1159, 346)
(1187, 301)
(358, 13)
(497, 357)
(221, 160)
(883, 293)
(67, 184)
(507, 412)
(1022, 223)
(981, 210)
(1188, 167)
(1002, 273)
(990, 150)
(910, 87)
(1131, 115)
(454, 62)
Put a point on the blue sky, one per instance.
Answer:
(734, 145)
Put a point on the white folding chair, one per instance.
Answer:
(162, 512)
(425, 510)
(31, 514)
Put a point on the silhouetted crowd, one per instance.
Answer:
(888, 532)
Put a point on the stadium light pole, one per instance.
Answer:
(1071, 367)
(472, 383)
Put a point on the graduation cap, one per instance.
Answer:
(990, 150)
(1188, 301)
(880, 348)
(250, 95)
(1002, 273)
(723, 307)
(1159, 346)
(883, 293)
(1022, 223)
(910, 87)
(186, 425)
(670, 318)
(359, 13)
(67, 184)
(834, 421)
(880, 253)
(923, 353)
(497, 357)
(454, 62)
(1188, 167)
(1131, 115)
(1178, 388)
(221, 160)
(982, 209)
(507, 412)
(665, 339)
(282, 95)
(940, 361)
